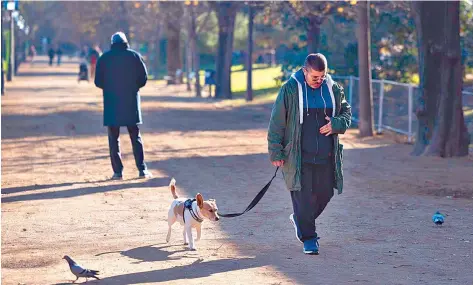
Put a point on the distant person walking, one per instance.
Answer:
(94, 55)
(32, 53)
(59, 55)
(120, 73)
(51, 53)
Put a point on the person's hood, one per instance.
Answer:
(118, 37)
(298, 76)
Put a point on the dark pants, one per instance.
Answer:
(114, 146)
(317, 189)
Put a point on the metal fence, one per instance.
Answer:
(393, 104)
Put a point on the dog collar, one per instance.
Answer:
(188, 205)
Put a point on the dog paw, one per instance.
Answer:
(193, 249)
(186, 243)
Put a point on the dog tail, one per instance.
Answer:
(172, 185)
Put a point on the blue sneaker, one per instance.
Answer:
(293, 222)
(311, 246)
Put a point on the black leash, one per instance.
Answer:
(255, 200)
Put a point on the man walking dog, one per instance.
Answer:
(120, 73)
(307, 116)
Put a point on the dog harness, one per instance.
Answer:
(188, 205)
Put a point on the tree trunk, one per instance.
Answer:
(188, 66)
(173, 49)
(188, 49)
(226, 13)
(156, 64)
(196, 58)
(313, 35)
(364, 69)
(249, 56)
(442, 130)
(423, 121)
(194, 53)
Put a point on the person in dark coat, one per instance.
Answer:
(51, 54)
(120, 73)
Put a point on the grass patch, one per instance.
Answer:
(468, 113)
(260, 96)
(262, 79)
(468, 80)
(241, 67)
(265, 88)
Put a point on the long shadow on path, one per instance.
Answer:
(197, 269)
(116, 186)
(150, 253)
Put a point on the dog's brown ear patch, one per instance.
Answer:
(200, 200)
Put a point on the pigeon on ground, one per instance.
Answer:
(79, 271)
(438, 218)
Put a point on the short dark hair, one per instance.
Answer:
(316, 61)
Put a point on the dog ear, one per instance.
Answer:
(200, 200)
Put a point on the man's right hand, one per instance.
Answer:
(278, 163)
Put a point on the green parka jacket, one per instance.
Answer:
(285, 128)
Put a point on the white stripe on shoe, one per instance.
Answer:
(293, 222)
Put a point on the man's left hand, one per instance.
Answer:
(326, 129)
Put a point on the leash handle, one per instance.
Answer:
(255, 200)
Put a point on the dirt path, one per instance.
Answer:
(56, 199)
